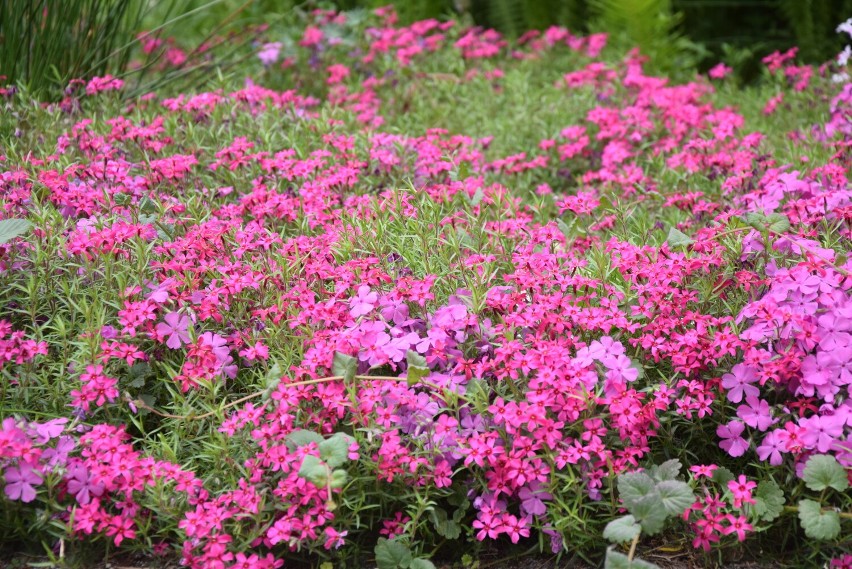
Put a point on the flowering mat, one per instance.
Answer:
(417, 296)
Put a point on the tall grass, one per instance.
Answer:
(47, 42)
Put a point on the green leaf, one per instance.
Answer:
(11, 228)
(391, 554)
(301, 437)
(650, 513)
(417, 368)
(335, 450)
(444, 526)
(622, 529)
(344, 366)
(632, 486)
(756, 220)
(823, 471)
(677, 238)
(421, 563)
(778, 222)
(338, 478)
(769, 501)
(616, 560)
(722, 476)
(669, 470)
(477, 197)
(314, 470)
(139, 372)
(676, 496)
(818, 524)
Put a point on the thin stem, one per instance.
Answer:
(633, 545)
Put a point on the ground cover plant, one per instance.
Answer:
(398, 294)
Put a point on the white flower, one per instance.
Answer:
(840, 77)
(843, 56)
(845, 27)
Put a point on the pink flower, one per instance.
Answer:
(739, 525)
(719, 71)
(269, 53)
(741, 489)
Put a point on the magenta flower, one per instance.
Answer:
(733, 443)
(21, 481)
(176, 327)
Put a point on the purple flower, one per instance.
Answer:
(175, 327)
(772, 447)
(364, 302)
(738, 383)
(21, 482)
(50, 430)
(820, 431)
(59, 455)
(81, 486)
(532, 500)
(733, 443)
(756, 413)
(269, 53)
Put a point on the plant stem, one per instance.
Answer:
(633, 545)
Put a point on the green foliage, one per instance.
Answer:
(622, 529)
(769, 501)
(393, 554)
(616, 560)
(344, 366)
(822, 471)
(652, 500)
(677, 238)
(11, 228)
(47, 42)
(417, 368)
(818, 523)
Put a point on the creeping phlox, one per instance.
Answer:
(275, 323)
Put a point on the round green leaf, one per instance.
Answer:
(818, 523)
(622, 529)
(11, 228)
(823, 471)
